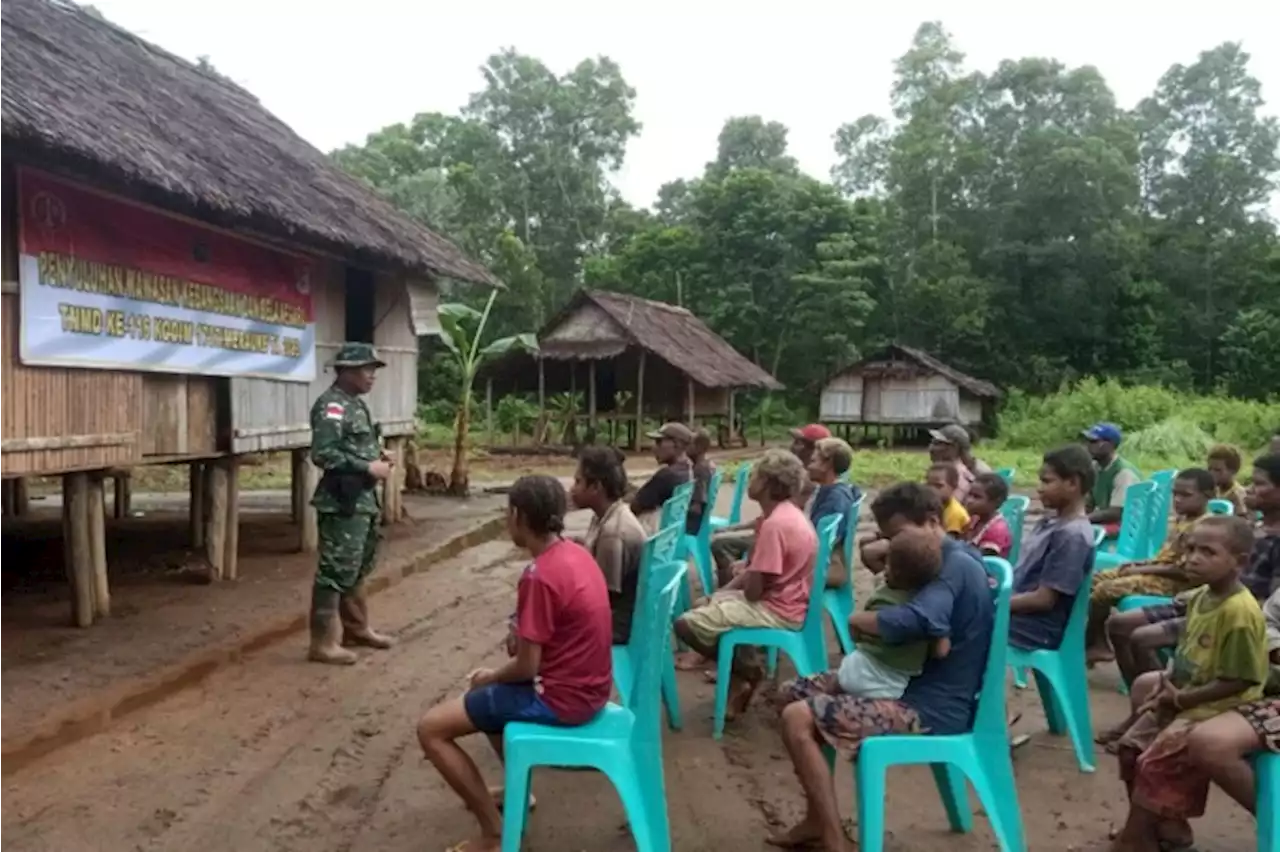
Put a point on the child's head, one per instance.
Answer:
(1218, 548)
(1224, 464)
(944, 478)
(1193, 488)
(831, 458)
(1264, 490)
(700, 445)
(915, 558)
(536, 508)
(907, 504)
(600, 480)
(986, 495)
(1066, 476)
(778, 476)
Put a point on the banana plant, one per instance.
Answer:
(462, 328)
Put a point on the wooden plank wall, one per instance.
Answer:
(394, 401)
(179, 414)
(54, 418)
(271, 415)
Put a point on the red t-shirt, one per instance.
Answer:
(991, 537)
(562, 604)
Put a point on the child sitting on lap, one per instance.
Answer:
(878, 670)
(1219, 663)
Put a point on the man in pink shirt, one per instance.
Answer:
(771, 591)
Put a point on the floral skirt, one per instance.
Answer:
(844, 720)
(1110, 586)
(1264, 716)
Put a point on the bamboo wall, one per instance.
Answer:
(394, 400)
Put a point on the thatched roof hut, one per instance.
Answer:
(661, 358)
(102, 104)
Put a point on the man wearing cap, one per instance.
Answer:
(671, 449)
(950, 445)
(1115, 475)
(346, 445)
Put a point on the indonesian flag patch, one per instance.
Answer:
(334, 411)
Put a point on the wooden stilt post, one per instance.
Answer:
(308, 531)
(391, 485)
(690, 403)
(296, 498)
(591, 393)
(123, 494)
(6, 498)
(635, 441)
(488, 411)
(215, 526)
(733, 418)
(21, 499)
(78, 545)
(542, 402)
(231, 553)
(97, 512)
(196, 510)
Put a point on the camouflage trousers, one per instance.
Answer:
(348, 549)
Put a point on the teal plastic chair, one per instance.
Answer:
(698, 547)
(659, 549)
(1158, 510)
(839, 603)
(739, 494)
(1135, 526)
(675, 512)
(625, 743)
(807, 647)
(1266, 768)
(982, 756)
(1061, 678)
(1014, 512)
(1221, 507)
(1006, 473)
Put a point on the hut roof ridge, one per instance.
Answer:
(88, 98)
(978, 387)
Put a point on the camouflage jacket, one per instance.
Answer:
(344, 439)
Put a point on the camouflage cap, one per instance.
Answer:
(357, 355)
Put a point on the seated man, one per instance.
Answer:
(1114, 476)
(831, 459)
(704, 468)
(671, 450)
(561, 671)
(771, 592)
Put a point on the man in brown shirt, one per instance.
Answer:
(615, 537)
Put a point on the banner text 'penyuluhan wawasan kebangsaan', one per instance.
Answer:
(106, 284)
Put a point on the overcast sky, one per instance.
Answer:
(336, 73)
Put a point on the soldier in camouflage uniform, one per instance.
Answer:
(347, 447)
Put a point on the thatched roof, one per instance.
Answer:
(896, 354)
(89, 99)
(597, 324)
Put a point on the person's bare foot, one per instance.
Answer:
(1098, 654)
(690, 661)
(499, 793)
(741, 692)
(478, 844)
(800, 835)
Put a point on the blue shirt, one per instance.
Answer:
(834, 499)
(1058, 554)
(957, 604)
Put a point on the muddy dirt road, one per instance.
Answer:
(280, 755)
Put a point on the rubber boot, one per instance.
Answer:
(326, 630)
(354, 608)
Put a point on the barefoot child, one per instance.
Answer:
(1162, 576)
(944, 478)
(1220, 662)
(988, 530)
(561, 672)
(876, 669)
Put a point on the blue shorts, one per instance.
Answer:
(492, 706)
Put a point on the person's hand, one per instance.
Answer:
(738, 567)
(700, 602)
(386, 457)
(379, 469)
(480, 677)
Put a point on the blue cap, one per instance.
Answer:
(1108, 432)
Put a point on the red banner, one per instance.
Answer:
(60, 218)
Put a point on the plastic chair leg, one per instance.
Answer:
(1020, 678)
(998, 794)
(870, 795)
(638, 808)
(1052, 703)
(724, 669)
(1266, 769)
(515, 803)
(671, 694)
(771, 656)
(955, 795)
(843, 636)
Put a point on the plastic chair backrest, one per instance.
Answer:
(1078, 618)
(676, 509)
(1006, 473)
(739, 492)
(713, 489)
(1136, 519)
(851, 534)
(1221, 507)
(659, 549)
(1014, 512)
(815, 616)
(990, 715)
(1099, 536)
(1159, 508)
(652, 651)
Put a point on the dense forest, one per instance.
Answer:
(1016, 222)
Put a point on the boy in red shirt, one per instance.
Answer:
(988, 530)
(561, 672)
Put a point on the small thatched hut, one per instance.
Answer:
(634, 359)
(178, 268)
(904, 387)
